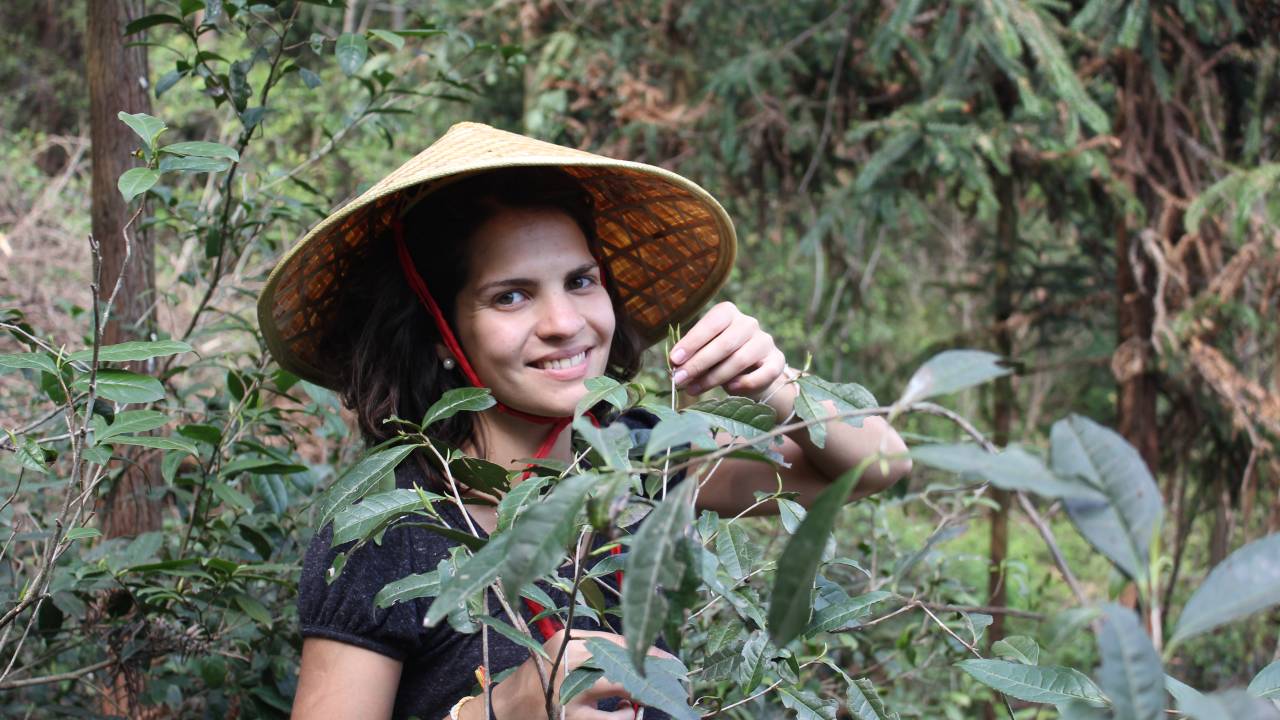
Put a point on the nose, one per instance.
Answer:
(560, 316)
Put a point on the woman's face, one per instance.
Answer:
(533, 317)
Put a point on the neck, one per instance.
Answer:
(509, 439)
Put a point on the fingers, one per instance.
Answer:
(747, 358)
(758, 381)
(705, 353)
(712, 324)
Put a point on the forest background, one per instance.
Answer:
(1085, 188)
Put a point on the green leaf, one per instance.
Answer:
(477, 573)
(150, 21)
(175, 163)
(738, 415)
(1266, 684)
(123, 386)
(657, 686)
(82, 532)
(309, 78)
(129, 421)
(538, 538)
(1019, 648)
(146, 127)
(29, 361)
(810, 410)
(351, 50)
(865, 703)
(1053, 685)
(357, 521)
(952, 371)
(159, 443)
(231, 496)
(458, 400)
(133, 351)
(611, 442)
(136, 181)
(359, 480)
(202, 148)
(653, 566)
(845, 614)
(388, 37)
(1192, 702)
(1014, 469)
(1121, 524)
(679, 430)
(1131, 673)
(254, 609)
(790, 602)
(734, 550)
(1246, 582)
(847, 396)
(1234, 704)
(602, 388)
(807, 705)
(515, 636)
(518, 500)
(581, 678)
(259, 466)
(408, 588)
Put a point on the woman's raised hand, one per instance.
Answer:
(520, 695)
(727, 347)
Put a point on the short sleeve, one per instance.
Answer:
(344, 611)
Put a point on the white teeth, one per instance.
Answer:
(563, 363)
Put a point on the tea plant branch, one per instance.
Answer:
(970, 648)
(1046, 533)
(589, 537)
(987, 610)
(753, 696)
(71, 675)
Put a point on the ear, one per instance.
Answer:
(443, 353)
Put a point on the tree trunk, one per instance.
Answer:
(117, 78)
(1002, 410)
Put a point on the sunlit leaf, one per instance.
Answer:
(133, 351)
(1035, 684)
(602, 388)
(136, 181)
(129, 421)
(687, 428)
(1121, 523)
(123, 386)
(458, 400)
(951, 371)
(1012, 469)
(146, 127)
(1018, 648)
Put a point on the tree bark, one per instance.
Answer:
(1003, 401)
(117, 79)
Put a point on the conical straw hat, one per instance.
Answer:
(667, 244)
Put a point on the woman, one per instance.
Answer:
(495, 260)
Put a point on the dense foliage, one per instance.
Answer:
(907, 177)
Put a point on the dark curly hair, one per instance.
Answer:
(384, 341)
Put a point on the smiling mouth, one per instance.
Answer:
(562, 363)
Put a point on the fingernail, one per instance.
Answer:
(677, 356)
(679, 376)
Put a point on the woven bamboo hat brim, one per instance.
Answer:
(667, 244)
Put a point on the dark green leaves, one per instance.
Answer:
(1131, 673)
(1055, 685)
(476, 573)
(123, 386)
(1246, 582)
(359, 480)
(201, 148)
(537, 540)
(652, 567)
(659, 685)
(791, 601)
(358, 520)
(408, 588)
(739, 416)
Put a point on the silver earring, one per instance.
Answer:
(449, 363)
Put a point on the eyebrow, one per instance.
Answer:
(524, 282)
